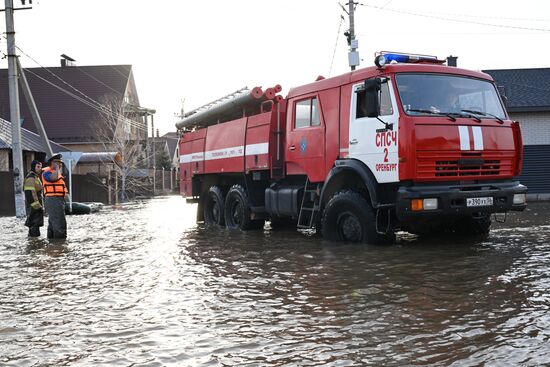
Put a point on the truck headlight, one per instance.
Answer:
(424, 204)
(430, 204)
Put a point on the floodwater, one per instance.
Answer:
(143, 285)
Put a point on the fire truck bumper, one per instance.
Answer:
(419, 201)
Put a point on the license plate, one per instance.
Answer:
(472, 202)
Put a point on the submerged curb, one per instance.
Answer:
(538, 197)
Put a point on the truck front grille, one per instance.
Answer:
(452, 165)
(453, 168)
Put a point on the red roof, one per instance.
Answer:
(65, 118)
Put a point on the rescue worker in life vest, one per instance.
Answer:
(33, 198)
(55, 192)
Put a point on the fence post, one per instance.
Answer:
(154, 180)
(116, 187)
(171, 179)
(109, 188)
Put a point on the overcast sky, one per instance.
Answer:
(201, 50)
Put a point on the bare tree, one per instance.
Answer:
(163, 160)
(118, 132)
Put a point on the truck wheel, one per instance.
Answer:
(348, 217)
(237, 210)
(473, 226)
(213, 207)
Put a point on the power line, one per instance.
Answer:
(58, 77)
(488, 16)
(97, 80)
(386, 4)
(456, 20)
(96, 106)
(336, 44)
(89, 101)
(118, 71)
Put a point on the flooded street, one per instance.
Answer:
(144, 285)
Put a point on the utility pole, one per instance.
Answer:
(17, 154)
(353, 55)
(154, 155)
(147, 144)
(34, 110)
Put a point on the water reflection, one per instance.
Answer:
(144, 285)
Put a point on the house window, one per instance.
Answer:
(306, 113)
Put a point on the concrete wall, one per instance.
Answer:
(535, 127)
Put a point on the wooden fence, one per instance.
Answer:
(7, 200)
(92, 188)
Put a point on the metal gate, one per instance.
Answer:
(7, 201)
(536, 168)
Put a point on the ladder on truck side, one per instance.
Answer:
(309, 207)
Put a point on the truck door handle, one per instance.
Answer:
(291, 147)
(353, 141)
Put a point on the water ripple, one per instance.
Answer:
(143, 285)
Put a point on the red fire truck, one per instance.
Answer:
(409, 144)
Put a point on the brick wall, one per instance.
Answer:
(535, 127)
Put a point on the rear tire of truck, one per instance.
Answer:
(348, 217)
(213, 207)
(237, 210)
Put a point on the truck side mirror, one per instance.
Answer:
(372, 97)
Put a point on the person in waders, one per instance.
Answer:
(55, 192)
(33, 199)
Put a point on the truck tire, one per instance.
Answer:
(213, 207)
(348, 217)
(237, 210)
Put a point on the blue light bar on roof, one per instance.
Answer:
(393, 57)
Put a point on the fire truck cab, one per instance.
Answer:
(407, 144)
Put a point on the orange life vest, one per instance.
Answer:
(56, 188)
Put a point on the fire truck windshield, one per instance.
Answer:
(433, 94)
